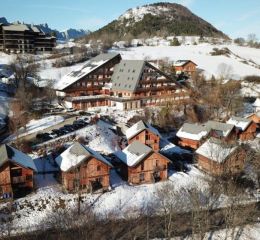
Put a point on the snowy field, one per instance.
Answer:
(200, 54)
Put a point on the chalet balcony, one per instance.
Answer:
(21, 179)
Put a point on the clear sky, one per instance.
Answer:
(233, 17)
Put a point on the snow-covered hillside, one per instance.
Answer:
(200, 54)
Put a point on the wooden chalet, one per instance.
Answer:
(83, 169)
(144, 133)
(185, 66)
(16, 173)
(138, 83)
(191, 135)
(223, 131)
(90, 79)
(125, 84)
(246, 128)
(218, 158)
(255, 117)
(141, 164)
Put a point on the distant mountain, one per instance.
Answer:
(61, 35)
(64, 35)
(3, 20)
(157, 19)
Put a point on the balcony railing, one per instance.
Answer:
(20, 179)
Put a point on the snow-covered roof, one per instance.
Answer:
(224, 128)
(241, 123)
(169, 148)
(133, 153)
(16, 27)
(181, 63)
(83, 71)
(139, 127)
(215, 150)
(257, 103)
(8, 153)
(76, 154)
(192, 131)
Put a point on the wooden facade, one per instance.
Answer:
(14, 178)
(153, 168)
(91, 175)
(232, 165)
(188, 67)
(255, 117)
(93, 83)
(249, 133)
(185, 142)
(148, 138)
(21, 38)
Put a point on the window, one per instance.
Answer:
(98, 168)
(142, 166)
(156, 163)
(137, 138)
(141, 177)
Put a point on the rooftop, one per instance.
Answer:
(224, 128)
(9, 153)
(133, 153)
(215, 150)
(83, 71)
(241, 123)
(192, 131)
(75, 155)
(139, 127)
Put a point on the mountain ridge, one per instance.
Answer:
(157, 19)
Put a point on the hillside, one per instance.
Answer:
(157, 19)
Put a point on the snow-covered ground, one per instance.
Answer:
(200, 54)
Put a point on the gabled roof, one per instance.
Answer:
(83, 71)
(134, 153)
(224, 128)
(256, 103)
(16, 27)
(139, 127)
(192, 131)
(181, 63)
(8, 153)
(77, 154)
(241, 123)
(215, 150)
(127, 75)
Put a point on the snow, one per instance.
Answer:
(239, 122)
(76, 154)
(75, 75)
(169, 148)
(22, 159)
(37, 125)
(133, 153)
(200, 54)
(139, 127)
(215, 151)
(257, 103)
(200, 134)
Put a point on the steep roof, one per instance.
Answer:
(241, 123)
(16, 27)
(215, 150)
(134, 153)
(8, 153)
(83, 71)
(139, 127)
(224, 128)
(257, 103)
(192, 131)
(75, 155)
(127, 75)
(181, 63)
